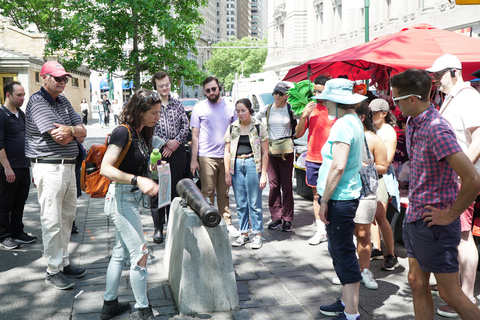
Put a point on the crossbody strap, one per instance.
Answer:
(125, 150)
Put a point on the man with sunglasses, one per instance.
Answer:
(209, 121)
(461, 108)
(431, 227)
(173, 129)
(52, 125)
(315, 118)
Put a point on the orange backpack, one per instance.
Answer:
(93, 183)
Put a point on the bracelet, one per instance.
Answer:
(323, 201)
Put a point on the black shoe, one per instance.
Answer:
(25, 238)
(376, 254)
(146, 313)
(74, 228)
(9, 244)
(74, 272)
(158, 235)
(390, 263)
(275, 224)
(287, 226)
(113, 308)
(59, 281)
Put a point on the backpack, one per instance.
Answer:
(93, 183)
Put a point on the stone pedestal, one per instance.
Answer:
(198, 262)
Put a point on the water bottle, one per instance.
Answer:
(155, 160)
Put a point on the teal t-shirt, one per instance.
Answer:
(348, 129)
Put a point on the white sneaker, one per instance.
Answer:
(317, 239)
(257, 242)
(232, 231)
(368, 280)
(336, 280)
(240, 241)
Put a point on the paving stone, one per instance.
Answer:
(261, 314)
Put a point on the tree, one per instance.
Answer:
(224, 63)
(93, 33)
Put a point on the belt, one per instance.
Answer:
(245, 156)
(53, 160)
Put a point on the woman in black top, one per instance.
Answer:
(123, 197)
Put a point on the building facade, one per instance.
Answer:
(303, 30)
(259, 14)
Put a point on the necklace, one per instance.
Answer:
(142, 145)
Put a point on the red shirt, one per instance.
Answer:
(319, 129)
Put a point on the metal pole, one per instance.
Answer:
(367, 27)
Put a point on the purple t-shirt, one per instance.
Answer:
(213, 121)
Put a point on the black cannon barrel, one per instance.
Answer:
(187, 189)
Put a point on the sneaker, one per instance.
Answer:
(232, 231)
(9, 244)
(59, 281)
(74, 272)
(287, 226)
(376, 254)
(240, 241)
(390, 263)
(317, 239)
(368, 280)
(342, 316)
(333, 309)
(275, 224)
(25, 238)
(434, 290)
(336, 280)
(447, 312)
(257, 242)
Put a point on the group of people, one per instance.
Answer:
(104, 108)
(231, 146)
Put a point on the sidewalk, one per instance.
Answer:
(285, 279)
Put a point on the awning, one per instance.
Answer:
(104, 84)
(127, 85)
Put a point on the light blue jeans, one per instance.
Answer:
(129, 242)
(248, 196)
(101, 117)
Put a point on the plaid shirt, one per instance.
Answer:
(430, 139)
(173, 123)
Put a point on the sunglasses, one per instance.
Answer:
(214, 89)
(155, 97)
(281, 94)
(60, 79)
(438, 75)
(396, 100)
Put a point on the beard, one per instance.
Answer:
(214, 99)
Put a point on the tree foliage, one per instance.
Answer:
(94, 32)
(224, 63)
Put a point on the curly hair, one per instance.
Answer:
(139, 103)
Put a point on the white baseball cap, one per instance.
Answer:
(447, 61)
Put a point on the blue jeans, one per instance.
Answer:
(129, 242)
(340, 239)
(101, 117)
(248, 196)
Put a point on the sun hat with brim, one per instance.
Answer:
(476, 74)
(54, 69)
(447, 61)
(340, 91)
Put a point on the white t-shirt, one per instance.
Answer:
(462, 109)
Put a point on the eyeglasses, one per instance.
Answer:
(280, 93)
(214, 89)
(397, 99)
(155, 97)
(165, 86)
(59, 79)
(317, 91)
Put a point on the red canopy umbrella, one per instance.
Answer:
(415, 47)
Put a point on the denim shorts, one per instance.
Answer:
(311, 174)
(435, 247)
(340, 239)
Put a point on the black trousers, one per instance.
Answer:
(12, 202)
(85, 117)
(177, 164)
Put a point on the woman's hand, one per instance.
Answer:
(147, 186)
(228, 179)
(323, 214)
(263, 181)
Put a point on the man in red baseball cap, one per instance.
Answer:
(52, 127)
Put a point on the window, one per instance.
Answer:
(37, 77)
(254, 11)
(85, 83)
(218, 13)
(75, 82)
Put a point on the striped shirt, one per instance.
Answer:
(279, 122)
(173, 123)
(430, 138)
(42, 111)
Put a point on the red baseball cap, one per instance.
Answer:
(54, 69)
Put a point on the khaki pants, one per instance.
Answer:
(212, 176)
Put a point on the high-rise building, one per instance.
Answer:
(259, 15)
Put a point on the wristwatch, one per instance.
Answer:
(73, 130)
(134, 181)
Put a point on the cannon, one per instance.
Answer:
(187, 189)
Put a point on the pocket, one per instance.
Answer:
(109, 207)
